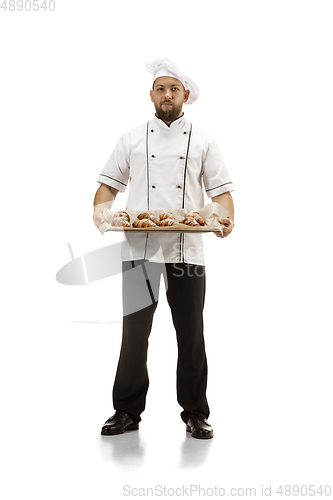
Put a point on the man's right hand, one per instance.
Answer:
(104, 198)
(98, 218)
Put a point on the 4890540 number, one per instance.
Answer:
(27, 5)
(304, 490)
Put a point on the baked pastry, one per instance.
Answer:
(167, 215)
(120, 221)
(143, 223)
(197, 217)
(190, 221)
(121, 214)
(145, 215)
(167, 222)
(148, 215)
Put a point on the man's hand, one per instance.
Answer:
(98, 217)
(227, 223)
(104, 198)
(227, 227)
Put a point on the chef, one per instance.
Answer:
(167, 163)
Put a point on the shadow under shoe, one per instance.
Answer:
(199, 427)
(119, 423)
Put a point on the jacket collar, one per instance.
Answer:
(177, 124)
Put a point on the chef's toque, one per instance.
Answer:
(165, 67)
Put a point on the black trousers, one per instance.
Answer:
(185, 285)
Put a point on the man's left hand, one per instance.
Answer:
(227, 227)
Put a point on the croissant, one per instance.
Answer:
(197, 217)
(143, 223)
(190, 221)
(121, 214)
(167, 222)
(120, 221)
(145, 215)
(167, 215)
(148, 215)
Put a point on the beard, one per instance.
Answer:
(168, 114)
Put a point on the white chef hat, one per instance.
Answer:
(165, 67)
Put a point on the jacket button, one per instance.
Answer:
(153, 131)
(153, 156)
(181, 158)
(179, 187)
(153, 187)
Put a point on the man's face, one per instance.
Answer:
(168, 97)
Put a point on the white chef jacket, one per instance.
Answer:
(166, 168)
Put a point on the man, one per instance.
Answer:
(168, 163)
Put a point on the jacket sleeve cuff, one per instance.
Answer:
(112, 182)
(220, 189)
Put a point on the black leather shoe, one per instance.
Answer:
(119, 423)
(198, 426)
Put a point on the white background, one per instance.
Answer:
(71, 82)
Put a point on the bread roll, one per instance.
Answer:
(143, 223)
(120, 221)
(190, 221)
(148, 215)
(168, 222)
(145, 215)
(121, 214)
(197, 217)
(167, 215)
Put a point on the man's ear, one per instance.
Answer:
(187, 95)
(152, 95)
